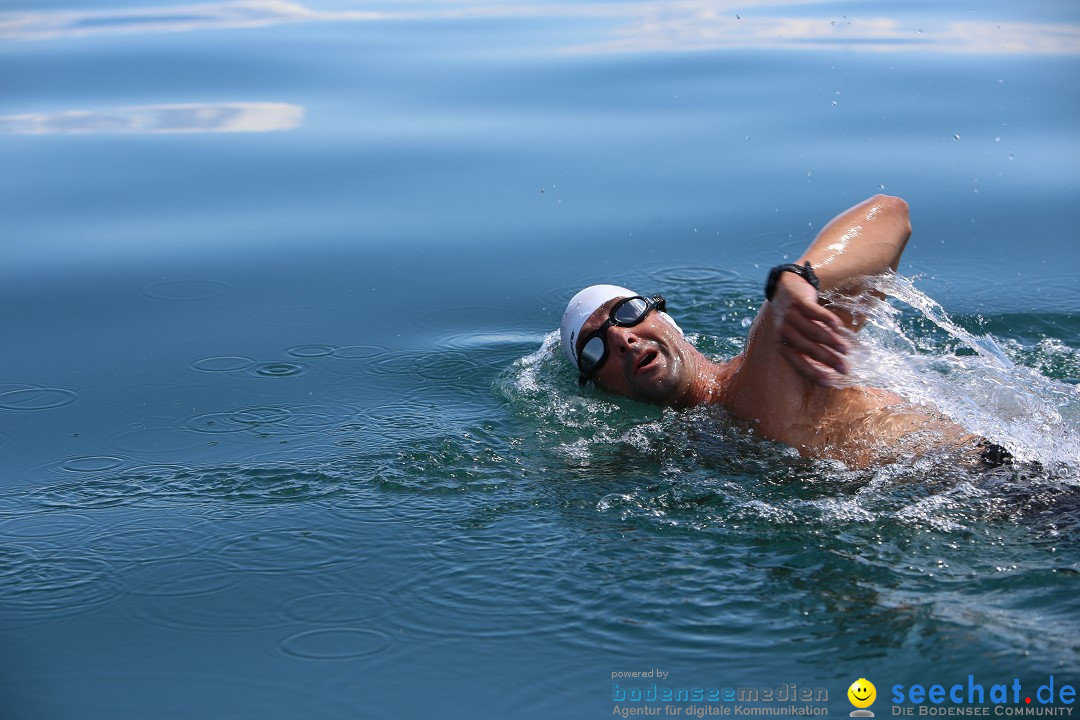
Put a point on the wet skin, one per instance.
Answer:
(651, 362)
(788, 381)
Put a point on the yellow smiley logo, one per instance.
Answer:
(862, 693)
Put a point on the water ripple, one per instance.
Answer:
(223, 363)
(358, 352)
(342, 643)
(46, 525)
(273, 484)
(694, 275)
(396, 362)
(93, 463)
(445, 464)
(290, 551)
(157, 441)
(480, 601)
(277, 370)
(311, 350)
(187, 289)
(151, 542)
(238, 420)
(40, 583)
(38, 398)
(247, 603)
(179, 577)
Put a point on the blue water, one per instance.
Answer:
(282, 430)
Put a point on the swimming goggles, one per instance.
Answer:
(626, 313)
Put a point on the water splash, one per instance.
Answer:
(911, 346)
(702, 469)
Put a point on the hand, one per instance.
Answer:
(812, 338)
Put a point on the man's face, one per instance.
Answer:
(646, 362)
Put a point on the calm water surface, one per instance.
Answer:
(283, 430)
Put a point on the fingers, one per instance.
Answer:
(797, 349)
(813, 339)
(806, 329)
(813, 371)
(817, 313)
(815, 350)
(809, 370)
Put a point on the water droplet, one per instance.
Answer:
(738, 17)
(881, 187)
(997, 139)
(955, 137)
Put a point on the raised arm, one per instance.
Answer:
(863, 241)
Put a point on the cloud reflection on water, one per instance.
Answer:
(160, 119)
(689, 25)
(694, 26)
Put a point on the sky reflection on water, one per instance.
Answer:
(160, 119)
(268, 400)
(694, 25)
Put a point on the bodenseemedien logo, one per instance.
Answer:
(862, 694)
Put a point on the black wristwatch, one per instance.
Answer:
(804, 271)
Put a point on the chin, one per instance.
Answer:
(661, 393)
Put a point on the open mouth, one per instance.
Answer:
(646, 360)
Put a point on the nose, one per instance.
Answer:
(622, 339)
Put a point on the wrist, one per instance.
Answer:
(804, 271)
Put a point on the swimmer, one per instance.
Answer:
(788, 381)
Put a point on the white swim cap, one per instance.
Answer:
(582, 306)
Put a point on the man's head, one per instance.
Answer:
(626, 344)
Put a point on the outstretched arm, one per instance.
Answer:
(863, 241)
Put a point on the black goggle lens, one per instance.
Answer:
(631, 311)
(592, 353)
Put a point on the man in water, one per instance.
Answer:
(787, 380)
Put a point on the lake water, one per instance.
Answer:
(283, 431)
